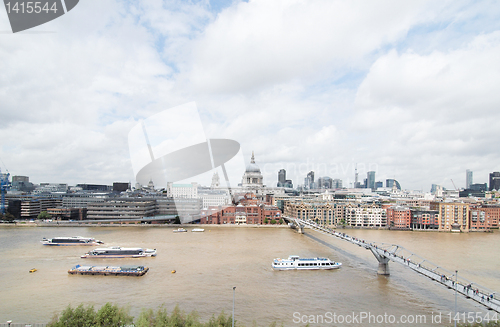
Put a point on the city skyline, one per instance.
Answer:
(308, 182)
(403, 89)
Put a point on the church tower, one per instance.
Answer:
(215, 181)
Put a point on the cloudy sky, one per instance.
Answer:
(409, 89)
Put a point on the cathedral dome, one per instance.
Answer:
(252, 166)
(252, 176)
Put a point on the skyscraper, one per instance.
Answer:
(370, 180)
(468, 179)
(281, 178)
(324, 182)
(309, 180)
(356, 183)
(337, 183)
(494, 181)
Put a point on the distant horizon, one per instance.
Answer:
(295, 186)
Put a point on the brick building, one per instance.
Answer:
(424, 219)
(484, 217)
(399, 217)
(240, 214)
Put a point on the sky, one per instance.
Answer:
(409, 89)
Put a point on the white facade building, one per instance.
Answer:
(182, 191)
(214, 197)
(365, 215)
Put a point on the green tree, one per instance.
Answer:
(78, 317)
(108, 316)
(193, 320)
(266, 221)
(162, 318)
(221, 321)
(9, 217)
(44, 215)
(273, 221)
(113, 316)
(281, 221)
(176, 318)
(147, 318)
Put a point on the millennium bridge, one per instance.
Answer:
(385, 253)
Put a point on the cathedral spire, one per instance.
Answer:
(253, 158)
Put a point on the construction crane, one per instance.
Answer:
(456, 189)
(4, 186)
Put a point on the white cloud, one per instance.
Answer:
(409, 87)
(259, 43)
(435, 109)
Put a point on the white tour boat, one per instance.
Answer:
(197, 230)
(295, 262)
(119, 252)
(180, 230)
(71, 240)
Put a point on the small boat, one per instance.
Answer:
(119, 252)
(33, 270)
(197, 230)
(180, 230)
(70, 241)
(109, 271)
(295, 262)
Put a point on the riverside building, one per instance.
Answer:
(399, 217)
(453, 216)
(240, 214)
(121, 210)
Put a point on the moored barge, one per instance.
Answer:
(119, 252)
(109, 271)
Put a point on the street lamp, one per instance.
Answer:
(456, 287)
(234, 291)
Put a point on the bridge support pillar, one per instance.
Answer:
(300, 229)
(383, 263)
(383, 267)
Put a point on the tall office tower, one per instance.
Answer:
(468, 179)
(494, 181)
(370, 180)
(337, 183)
(324, 182)
(310, 177)
(319, 182)
(281, 178)
(434, 188)
(356, 183)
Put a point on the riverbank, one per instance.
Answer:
(128, 224)
(175, 226)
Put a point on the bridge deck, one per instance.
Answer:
(399, 254)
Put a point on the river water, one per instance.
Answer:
(209, 264)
